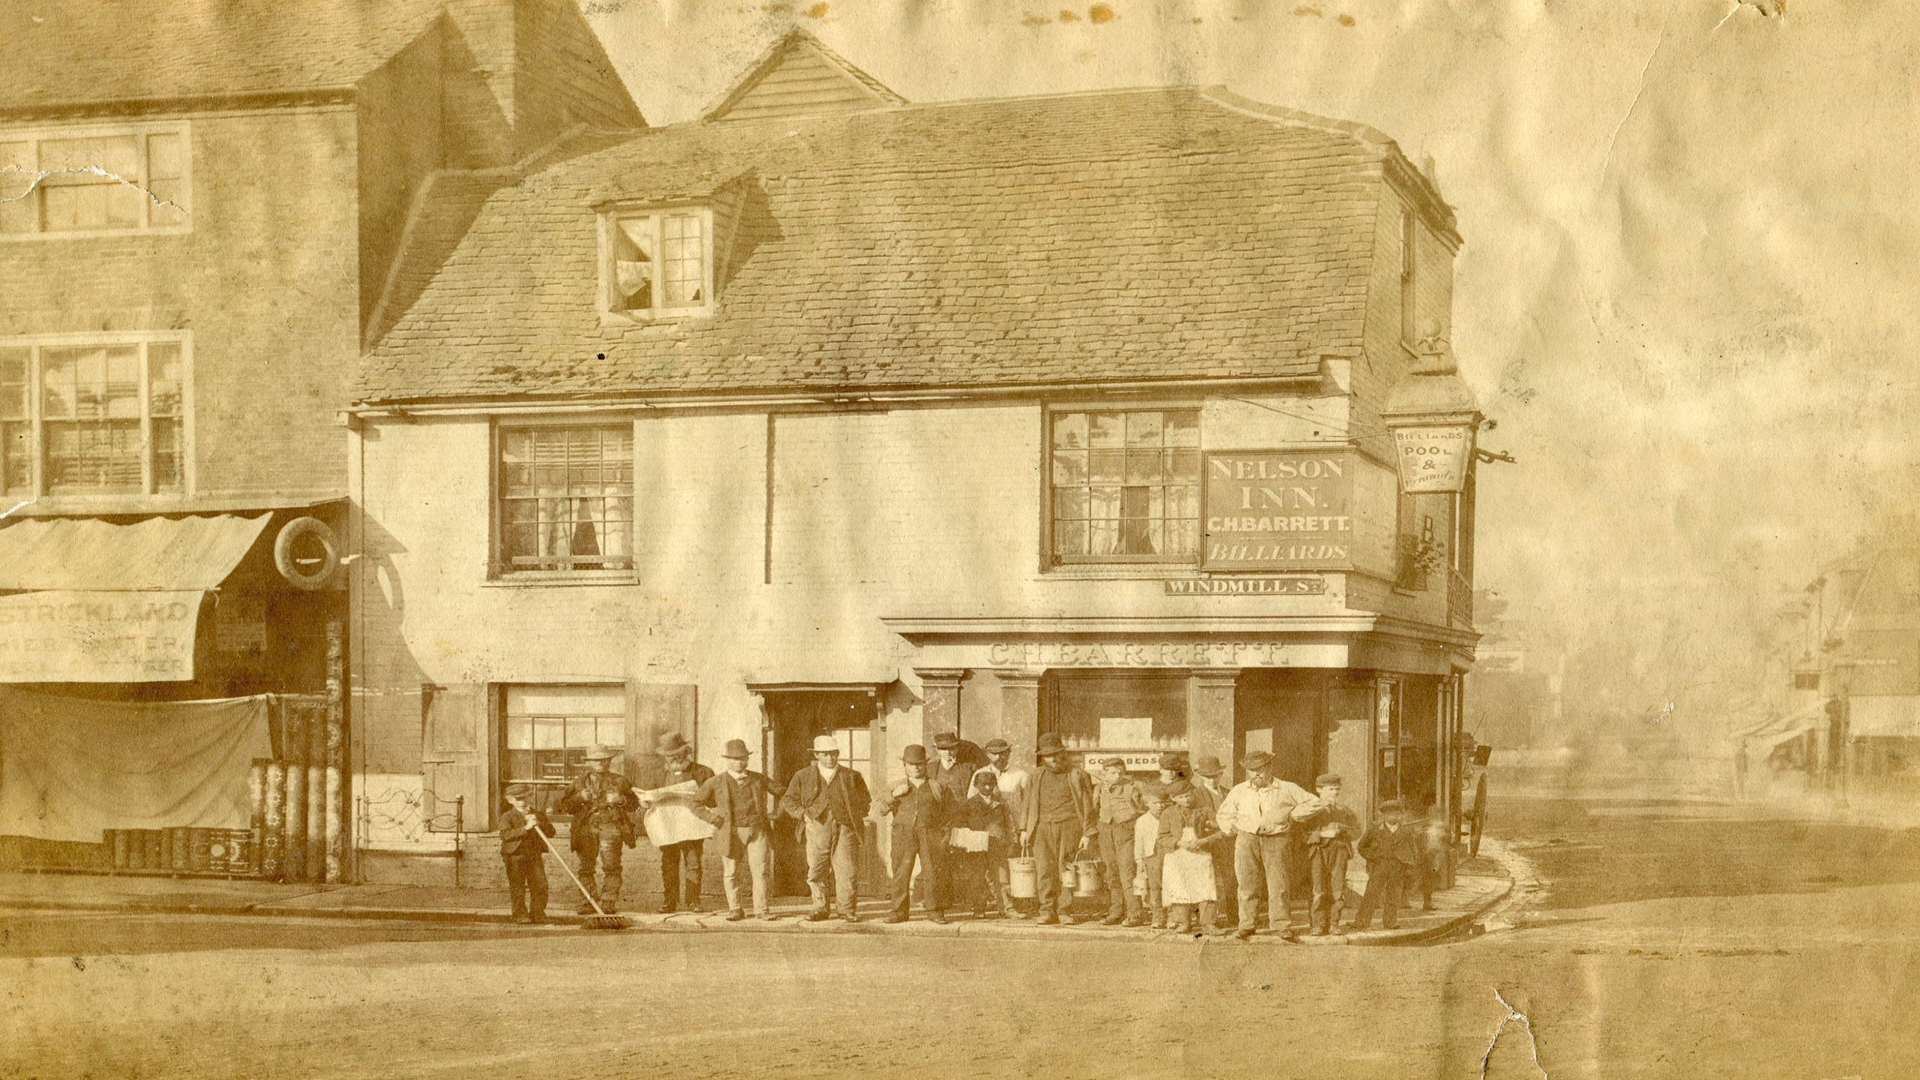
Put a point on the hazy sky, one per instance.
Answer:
(1691, 244)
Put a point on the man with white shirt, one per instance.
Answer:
(832, 803)
(1259, 813)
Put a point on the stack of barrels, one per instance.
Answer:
(298, 799)
(182, 849)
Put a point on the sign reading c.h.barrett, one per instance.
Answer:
(1279, 510)
(61, 636)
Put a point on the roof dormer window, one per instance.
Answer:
(657, 263)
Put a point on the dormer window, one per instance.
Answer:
(657, 263)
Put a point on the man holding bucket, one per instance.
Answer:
(1012, 781)
(1060, 818)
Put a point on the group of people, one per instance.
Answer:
(1181, 852)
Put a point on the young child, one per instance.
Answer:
(1146, 837)
(1435, 853)
(1188, 835)
(975, 873)
(525, 854)
(1392, 850)
(1331, 831)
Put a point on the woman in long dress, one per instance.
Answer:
(1188, 834)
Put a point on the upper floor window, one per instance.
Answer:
(566, 498)
(1125, 485)
(93, 417)
(94, 180)
(657, 263)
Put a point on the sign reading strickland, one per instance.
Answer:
(95, 637)
(1279, 510)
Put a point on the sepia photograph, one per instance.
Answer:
(959, 538)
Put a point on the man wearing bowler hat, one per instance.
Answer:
(601, 802)
(738, 802)
(680, 864)
(920, 809)
(1259, 813)
(1060, 818)
(831, 801)
(1206, 787)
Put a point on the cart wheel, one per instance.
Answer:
(1479, 817)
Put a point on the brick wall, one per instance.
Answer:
(265, 282)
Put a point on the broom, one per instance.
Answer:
(599, 920)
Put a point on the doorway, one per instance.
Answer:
(794, 718)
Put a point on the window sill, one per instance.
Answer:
(620, 320)
(536, 579)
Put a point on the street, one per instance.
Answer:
(1663, 939)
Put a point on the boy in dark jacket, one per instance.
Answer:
(1331, 831)
(975, 873)
(1392, 850)
(525, 854)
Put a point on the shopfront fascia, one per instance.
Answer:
(1376, 701)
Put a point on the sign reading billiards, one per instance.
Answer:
(1279, 510)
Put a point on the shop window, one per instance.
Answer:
(1119, 711)
(566, 498)
(549, 729)
(90, 418)
(99, 180)
(1125, 486)
(658, 264)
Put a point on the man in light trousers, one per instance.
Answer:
(1259, 813)
(832, 802)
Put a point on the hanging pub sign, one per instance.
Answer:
(1433, 458)
(1279, 510)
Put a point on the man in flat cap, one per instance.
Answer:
(1207, 770)
(739, 801)
(920, 810)
(831, 801)
(602, 803)
(1118, 803)
(525, 854)
(681, 866)
(1331, 832)
(1259, 814)
(1059, 820)
(1012, 781)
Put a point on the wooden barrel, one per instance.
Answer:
(200, 857)
(166, 849)
(182, 848)
(155, 841)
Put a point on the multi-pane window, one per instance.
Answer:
(80, 418)
(658, 263)
(566, 498)
(1126, 485)
(549, 730)
(123, 180)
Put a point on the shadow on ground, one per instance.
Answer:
(1593, 852)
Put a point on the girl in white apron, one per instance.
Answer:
(1187, 836)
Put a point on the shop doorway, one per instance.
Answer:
(794, 718)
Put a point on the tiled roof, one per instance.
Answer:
(85, 52)
(1138, 235)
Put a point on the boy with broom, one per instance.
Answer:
(525, 854)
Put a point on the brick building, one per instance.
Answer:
(200, 221)
(832, 413)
